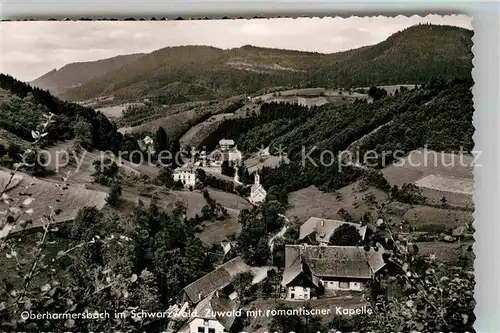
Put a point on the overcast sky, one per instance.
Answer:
(30, 49)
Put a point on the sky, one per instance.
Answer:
(30, 49)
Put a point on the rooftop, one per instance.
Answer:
(324, 228)
(215, 280)
(227, 142)
(336, 261)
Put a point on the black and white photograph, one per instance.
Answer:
(238, 175)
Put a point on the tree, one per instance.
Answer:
(344, 215)
(262, 252)
(206, 212)
(114, 197)
(161, 140)
(35, 162)
(279, 252)
(345, 235)
(408, 193)
(3, 151)
(377, 93)
(226, 169)
(165, 178)
(201, 175)
(242, 283)
(271, 211)
(105, 171)
(83, 133)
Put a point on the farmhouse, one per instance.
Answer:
(213, 314)
(216, 280)
(257, 192)
(186, 174)
(310, 267)
(318, 230)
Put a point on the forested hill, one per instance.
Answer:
(22, 108)
(186, 73)
(74, 74)
(437, 115)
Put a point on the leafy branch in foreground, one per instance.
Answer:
(436, 296)
(92, 274)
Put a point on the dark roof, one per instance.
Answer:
(298, 267)
(324, 228)
(215, 280)
(336, 261)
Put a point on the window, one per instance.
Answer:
(344, 285)
(205, 322)
(292, 295)
(211, 330)
(201, 329)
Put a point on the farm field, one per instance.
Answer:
(66, 201)
(177, 119)
(421, 217)
(214, 232)
(82, 169)
(171, 124)
(311, 201)
(116, 111)
(438, 174)
(445, 252)
(255, 163)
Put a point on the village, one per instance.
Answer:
(313, 268)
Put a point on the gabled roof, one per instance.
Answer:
(257, 188)
(336, 261)
(214, 304)
(376, 259)
(297, 268)
(324, 228)
(215, 280)
(226, 142)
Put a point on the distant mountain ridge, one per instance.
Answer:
(191, 73)
(75, 74)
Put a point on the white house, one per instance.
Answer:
(213, 314)
(186, 174)
(307, 267)
(257, 192)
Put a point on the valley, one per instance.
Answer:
(292, 179)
